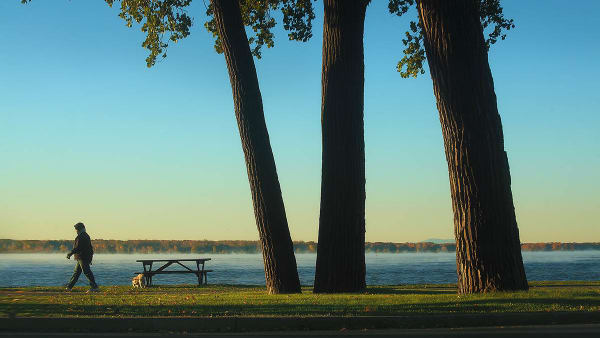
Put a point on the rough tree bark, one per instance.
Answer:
(341, 247)
(281, 272)
(488, 251)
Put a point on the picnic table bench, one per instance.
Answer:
(200, 272)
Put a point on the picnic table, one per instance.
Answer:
(200, 272)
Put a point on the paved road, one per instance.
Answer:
(547, 331)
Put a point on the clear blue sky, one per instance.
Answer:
(88, 133)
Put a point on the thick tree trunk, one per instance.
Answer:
(341, 248)
(488, 251)
(281, 273)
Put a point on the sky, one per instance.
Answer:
(89, 133)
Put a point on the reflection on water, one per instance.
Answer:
(382, 269)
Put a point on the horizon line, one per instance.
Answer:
(255, 240)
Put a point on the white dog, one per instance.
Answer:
(139, 281)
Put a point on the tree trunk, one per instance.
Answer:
(341, 248)
(281, 273)
(488, 251)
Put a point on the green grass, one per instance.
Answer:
(226, 300)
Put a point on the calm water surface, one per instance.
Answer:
(382, 269)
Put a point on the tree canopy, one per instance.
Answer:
(411, 64)
(166, 21)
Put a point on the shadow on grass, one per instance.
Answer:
(45, 310)
(212, 286)
(399, 290)
(128, 290)
(562, 286)
(299, 309)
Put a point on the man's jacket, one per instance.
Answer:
(83, 247)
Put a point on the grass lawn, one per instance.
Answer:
(227, 300)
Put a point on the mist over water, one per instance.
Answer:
(247, 269)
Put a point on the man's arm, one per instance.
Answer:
(76, 248)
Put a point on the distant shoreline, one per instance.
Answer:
(249, 247)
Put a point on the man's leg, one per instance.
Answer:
(88, 273)
(75, 276)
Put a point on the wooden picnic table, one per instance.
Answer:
(200, 272)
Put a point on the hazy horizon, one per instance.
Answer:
(437, 241)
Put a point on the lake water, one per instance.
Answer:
(382, 269)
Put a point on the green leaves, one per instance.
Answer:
(297, 19)
(166, 21)
(400, 7)
(256, 14)
(491, 14)
(162, 20)
(411, 64)
(414, 53)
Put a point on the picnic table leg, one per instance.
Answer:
(201, 273)
(147, 277)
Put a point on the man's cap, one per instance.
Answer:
(79, 226)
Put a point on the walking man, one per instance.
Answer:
(83, 251)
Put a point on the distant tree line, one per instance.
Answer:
(250, 247)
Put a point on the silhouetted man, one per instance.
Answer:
(83, 251)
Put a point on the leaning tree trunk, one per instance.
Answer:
(281, 272)
(488, 250)
(341, 248)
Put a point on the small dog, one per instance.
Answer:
(139, 281)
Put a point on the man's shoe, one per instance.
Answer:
(96, 289)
